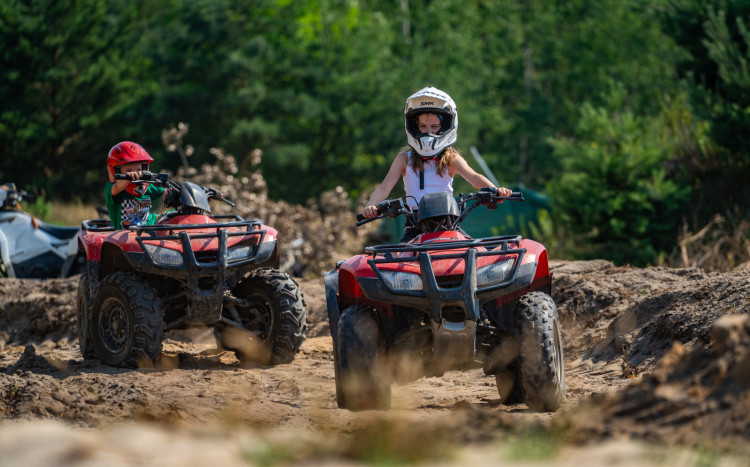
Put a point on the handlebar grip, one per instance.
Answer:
(516, 194)
(367, 220)
(360, 217)
(145, 175)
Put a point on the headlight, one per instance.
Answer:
(402, 280)
(163, 255)
(239, 252)
(494, 273)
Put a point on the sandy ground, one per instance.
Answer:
(657, 369)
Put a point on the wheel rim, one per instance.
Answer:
(258, 317)
(114, 325)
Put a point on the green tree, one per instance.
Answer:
(66, 72)
(318, 86)
(614, 198)
(714, 36)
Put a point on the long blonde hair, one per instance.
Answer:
(443, 162)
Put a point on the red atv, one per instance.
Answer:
(445, 301)
(191, 269)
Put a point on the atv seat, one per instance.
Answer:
(63, 233)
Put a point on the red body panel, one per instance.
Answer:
(357, 266)
(125, 240)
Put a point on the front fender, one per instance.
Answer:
(331, 281)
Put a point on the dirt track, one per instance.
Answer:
(644, 362)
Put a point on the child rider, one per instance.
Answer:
(429, 162)
(129, 203)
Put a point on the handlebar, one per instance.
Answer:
(395, 207)
(14, 195)
(486, 196)
(146, 176)
(381, 208)
(163, 179)
(216, 194)
(386, 208)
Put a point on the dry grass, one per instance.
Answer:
(721, 245)
(70, 213)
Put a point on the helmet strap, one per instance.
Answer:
(435, 158)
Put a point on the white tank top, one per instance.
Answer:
(433, 183)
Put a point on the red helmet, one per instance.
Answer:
(126, 152)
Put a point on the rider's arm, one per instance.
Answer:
(477, 180)
(119, 185)
(398, 169)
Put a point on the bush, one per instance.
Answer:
(614, 198)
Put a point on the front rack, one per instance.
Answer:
(105, 225)
(250, 228)
(181, 233)
(433, 297)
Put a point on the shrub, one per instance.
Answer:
(614, 198)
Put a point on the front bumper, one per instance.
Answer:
(433, 298)
(206, 275)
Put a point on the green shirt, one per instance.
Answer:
(126, 209)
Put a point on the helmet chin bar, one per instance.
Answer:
(427, 143)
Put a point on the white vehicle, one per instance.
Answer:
(30, 248)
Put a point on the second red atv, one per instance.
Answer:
(445, 301)
(191, 269)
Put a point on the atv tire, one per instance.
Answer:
(509, 386)
(361, 380)
(274, 322)
(127, 322)
(83, 313)
(541, 366)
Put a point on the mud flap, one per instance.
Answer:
(331, 280)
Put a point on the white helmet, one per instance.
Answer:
(431, 100)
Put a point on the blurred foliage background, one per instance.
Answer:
(632, 116)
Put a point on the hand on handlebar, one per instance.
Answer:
(503, 192)
(123, 180)
(135, 175)
(370, 211)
